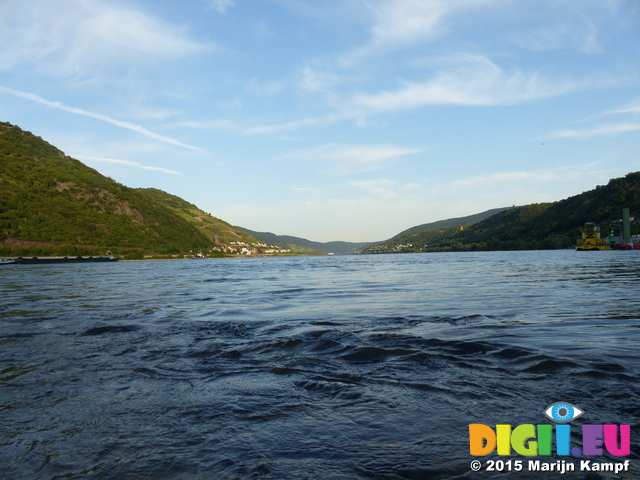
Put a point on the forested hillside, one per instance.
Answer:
(53, 204)
(451, 222)
(217, 230)
(535, 226)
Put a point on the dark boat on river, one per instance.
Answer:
(48, 260)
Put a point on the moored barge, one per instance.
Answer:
(48, 260)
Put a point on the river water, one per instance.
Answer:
(337, 367)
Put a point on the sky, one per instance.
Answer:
(336, 119)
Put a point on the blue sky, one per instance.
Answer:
(335, 119)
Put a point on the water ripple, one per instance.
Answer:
(301, 368)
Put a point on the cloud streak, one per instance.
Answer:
(473, 80)
(128, 163)
(220, 6)
(403, 23)
(383, 188)
(502, 178)
(80, 37)
(462, 80)
(633, 107)
(103, 118)
(600, 131)
(343, 159)
(286, 126)
(536, 180)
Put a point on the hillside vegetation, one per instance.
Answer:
(451, 222)
(537, 226)
(52, 204)
(218, 231)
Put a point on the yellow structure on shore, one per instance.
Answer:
(591, 239)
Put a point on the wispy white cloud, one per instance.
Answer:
(291, 125)
(266, 129)
(83, 37)
(548, 25)
(383, 188)
(460, 80)
(533, 180)
(304, 189)
(400, 23)
(471, 80)
(632, 107)
(215, 124)
(464, 80)
(265, 88)
(599, 131)
(405, 21)
(580, 34)
(103, 118)
(220, 6)
(313, 80)
(351, 114)
(544, 25)
(128, 163)
(522, 187)
(502, 178)
(342, 159)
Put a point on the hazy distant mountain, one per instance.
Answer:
(302, 245)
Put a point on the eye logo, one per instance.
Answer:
(563, 412)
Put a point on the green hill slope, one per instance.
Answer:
(451, 222)
(536, 226)
(558, 224)
(218, 231)
(53, 204)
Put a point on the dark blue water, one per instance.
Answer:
(355, 367)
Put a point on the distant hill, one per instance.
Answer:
(451, 222)
(302, 245)
(52, 204)
(535, 226)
